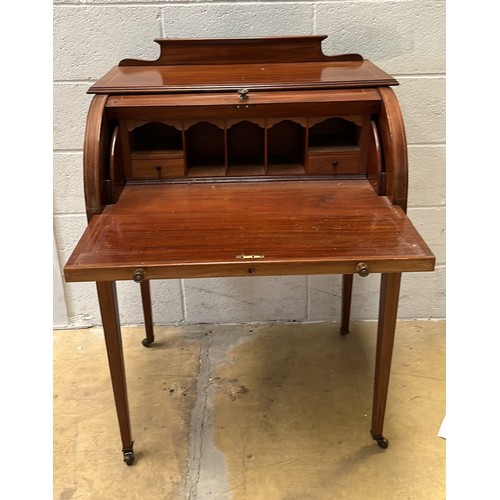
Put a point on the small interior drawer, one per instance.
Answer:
(335, 163)
(157, 168)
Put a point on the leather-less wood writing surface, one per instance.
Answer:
(293, 227)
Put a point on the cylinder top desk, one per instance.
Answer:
(245, 157)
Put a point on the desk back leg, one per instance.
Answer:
(148, 313)
(389, 298)
(346, 303)
(106, 291)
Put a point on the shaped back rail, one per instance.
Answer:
(293, 49)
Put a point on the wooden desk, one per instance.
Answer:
(301, 171)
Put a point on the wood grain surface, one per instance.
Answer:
(213, 229)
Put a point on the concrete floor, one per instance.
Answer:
(272, 411)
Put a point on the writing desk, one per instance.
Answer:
(245, 157)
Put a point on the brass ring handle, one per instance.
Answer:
(362, 269)
(139, 275)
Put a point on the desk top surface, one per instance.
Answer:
(208, 65)
(279, 76)
(241, 228)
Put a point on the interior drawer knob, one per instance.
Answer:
(362, 269)
(335, 162)
(139, 275)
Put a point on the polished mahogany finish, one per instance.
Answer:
(280, 63)
(295, 227)
(246, 157)
(194, 51)
(276, 76)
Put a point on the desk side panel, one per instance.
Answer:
(95, 154)
(393, 138)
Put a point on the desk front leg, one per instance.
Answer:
(106, 291)
(389, 298)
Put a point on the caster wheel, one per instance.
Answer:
(382, 442)
(344, 332)
(128, 457)
(146, 342)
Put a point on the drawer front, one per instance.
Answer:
(157, 168)
(335, 163)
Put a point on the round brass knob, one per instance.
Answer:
(243, 93)
(139, 275)
(362, 269)
(335, 163)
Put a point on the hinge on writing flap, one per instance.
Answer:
(242, 256)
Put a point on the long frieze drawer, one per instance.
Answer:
(157, 168)
(335, 163)
(259, 104)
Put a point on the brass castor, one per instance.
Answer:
(382, 441)
(128, 457)
(146, 342)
